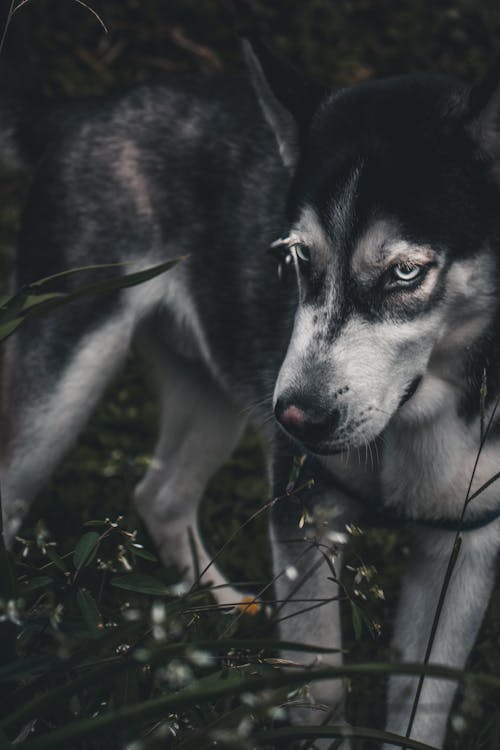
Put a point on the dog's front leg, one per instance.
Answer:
(307, 608)
(464, 606)
(199, 427)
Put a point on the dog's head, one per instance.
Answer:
(392, 238)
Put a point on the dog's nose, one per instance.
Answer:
(304, 421)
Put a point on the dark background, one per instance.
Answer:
(60, 47)
(341, 42)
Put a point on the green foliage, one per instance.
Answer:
(100, 654)
(33, 299)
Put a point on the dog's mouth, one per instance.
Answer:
(325, 449)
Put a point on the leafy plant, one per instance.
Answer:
(34, 299)
(107, 646)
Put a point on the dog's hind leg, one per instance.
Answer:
(198, 430)
(51, 383)
(466, 600)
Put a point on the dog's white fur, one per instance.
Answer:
(422, 466)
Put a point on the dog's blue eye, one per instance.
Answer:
(406, 272)
(302, 252)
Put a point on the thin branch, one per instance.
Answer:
(7, 24)
(14, 10)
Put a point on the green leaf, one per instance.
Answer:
(141, 583)
(72, 271)
(233, 684)
(144, 554)
(121, 282)
(211, 689)
(89, 610)
(56, 559)
(368, 623)
(29, 667)
(33, 300)
(30, 300)
(86, 549)
(126, 690)
(287, 735)
(8, 327)
(39, 582)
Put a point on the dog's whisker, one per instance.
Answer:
(253, 406)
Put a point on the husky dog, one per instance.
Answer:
(381, 204)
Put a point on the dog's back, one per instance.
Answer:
(182, 169)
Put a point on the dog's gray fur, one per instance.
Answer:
(381, 179)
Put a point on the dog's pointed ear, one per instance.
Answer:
(482, 110)
(288, 99)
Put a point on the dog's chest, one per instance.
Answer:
(426, 469)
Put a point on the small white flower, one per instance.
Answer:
(158, 613)
(245, 727)
(353, 530)
(277, 713)
(159, 633)
(377, 592)
(132, 615)
(336, 537)
(200, 658)
(178, 674)
(249, 699)
(458, 723)
(179, 589)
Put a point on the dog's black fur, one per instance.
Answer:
(407, 165)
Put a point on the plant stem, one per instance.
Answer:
(451, 565)
(8, 590)
(6, 25)
(442, 595)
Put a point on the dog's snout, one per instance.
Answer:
(305, 421)
(293, 418)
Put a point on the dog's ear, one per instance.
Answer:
(288, 99)
(482, 109)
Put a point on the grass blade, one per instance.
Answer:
(233, 684)
(141, 584)
(290, 734)
(31, 301)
